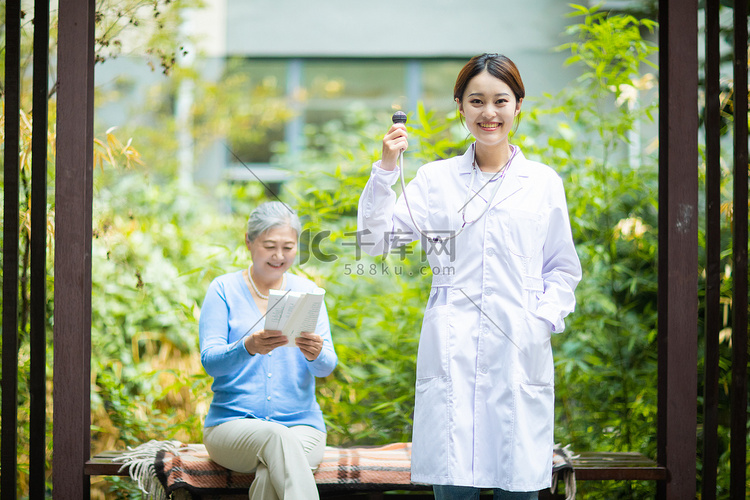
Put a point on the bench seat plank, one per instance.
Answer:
(622, 465)
(591, 466)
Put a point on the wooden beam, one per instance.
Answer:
(38, 302)
(738, 445)
(712, 319)
(8, 460)
(678, 247)
(73, 197)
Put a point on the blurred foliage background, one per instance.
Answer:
(158, 243)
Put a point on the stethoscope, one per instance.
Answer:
(400, 117)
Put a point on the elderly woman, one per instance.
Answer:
(264, 416)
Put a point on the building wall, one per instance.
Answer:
(391, 28)
(525, 31)
(384, 54)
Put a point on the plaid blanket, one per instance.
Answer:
(188, 467)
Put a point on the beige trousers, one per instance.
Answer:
(283, 458)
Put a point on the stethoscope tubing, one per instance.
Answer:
(467, 199)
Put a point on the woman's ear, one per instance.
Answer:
(247, 241)
(518, 106)
(460, 107)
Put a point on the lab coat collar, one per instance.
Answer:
(515, 178)
(465, 161)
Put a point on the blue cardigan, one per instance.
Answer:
(278, 386)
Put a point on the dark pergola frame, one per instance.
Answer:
(678, 251)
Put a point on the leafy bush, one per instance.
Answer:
(606, 360)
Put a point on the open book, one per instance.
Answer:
(293, 312)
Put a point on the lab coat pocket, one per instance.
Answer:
(533, 432)
(432, 356)
(438, 297)
(523, 232)
(431, 427)
(536, 361)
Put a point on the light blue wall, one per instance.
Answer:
(524, 30)
(392, 28)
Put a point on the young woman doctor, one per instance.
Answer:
(496, 225)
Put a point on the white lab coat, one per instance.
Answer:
(484, 409)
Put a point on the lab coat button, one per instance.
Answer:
(488, 291)
(490, 252)
(492, 213)
(268, 398)
(269, 375)
(483, 370)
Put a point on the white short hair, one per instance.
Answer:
(270, 215)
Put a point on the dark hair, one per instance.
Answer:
(496, 65)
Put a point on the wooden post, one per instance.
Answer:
(73, 198)
(678, 247)
(9, 462)
(738, 457)
(38, 306)
(712, 321)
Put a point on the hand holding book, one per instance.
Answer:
(310, 344)
(293, 312)
(264, 341)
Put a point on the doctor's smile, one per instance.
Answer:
(489, 126)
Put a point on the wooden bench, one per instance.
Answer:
(588, 466)
(617, 466)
